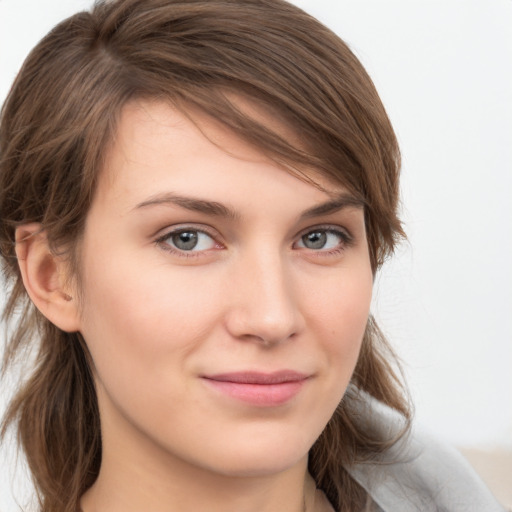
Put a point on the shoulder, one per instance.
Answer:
(420, 473)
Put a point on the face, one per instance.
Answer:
(224, 300)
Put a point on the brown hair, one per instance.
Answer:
(56, 126)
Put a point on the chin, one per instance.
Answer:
(259, 457)
(263, 466)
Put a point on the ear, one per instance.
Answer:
(44, 276)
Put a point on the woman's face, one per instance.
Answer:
(224, 300)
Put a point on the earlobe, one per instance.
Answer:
(44, 277)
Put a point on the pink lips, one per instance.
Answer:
(262, 389)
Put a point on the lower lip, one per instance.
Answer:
(264, 395)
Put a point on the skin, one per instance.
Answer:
(253, 295)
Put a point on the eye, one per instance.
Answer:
(323, 240)
(187, 240)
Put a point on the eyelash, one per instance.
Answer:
(164, 245)
(346, 241)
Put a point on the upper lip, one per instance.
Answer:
(254, 377)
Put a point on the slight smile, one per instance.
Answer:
(260, 389)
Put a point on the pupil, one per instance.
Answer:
(315, 240)
(185, 241)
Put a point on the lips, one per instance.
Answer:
(257, 388)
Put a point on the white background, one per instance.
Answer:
(444, 71)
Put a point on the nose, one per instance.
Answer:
(264, 305)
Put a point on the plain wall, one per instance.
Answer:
(444, 71)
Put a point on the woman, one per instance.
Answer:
(196, 197)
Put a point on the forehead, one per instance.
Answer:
(156, 135)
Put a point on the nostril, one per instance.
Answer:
(263, 306)
(250, 327)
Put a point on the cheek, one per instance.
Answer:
(142, 329)
(339, 315)
(134, 319)
(342, 306)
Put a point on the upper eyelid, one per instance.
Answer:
(201, 228)
(164, 233)
(325, 227)
(346, 242)
(162, 242)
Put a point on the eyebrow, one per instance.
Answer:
(207, 207)
(190, 203)
(340, 202)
